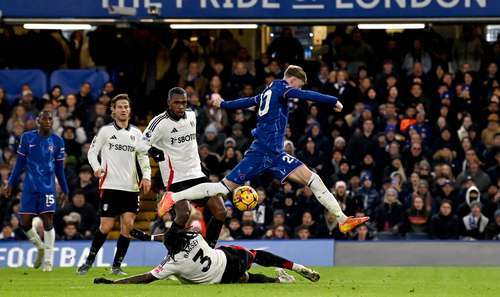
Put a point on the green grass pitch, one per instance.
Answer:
(337, 281)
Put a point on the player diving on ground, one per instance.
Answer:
(192, 260)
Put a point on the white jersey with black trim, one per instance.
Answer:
(177, 140)
(117, 148)
(198, 264)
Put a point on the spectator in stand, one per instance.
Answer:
(286, 48)
(444, 225)
(389, 214)
(303, 232)
(362, 143)
(329, 227)
(369, 195)
(493, 230)
(417, 54)
(87, 186)
(474, 224)
(71, 232)
(88, 215)
(474, 172)
(416, 219)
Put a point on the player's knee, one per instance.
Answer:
(182, 217)
(220, 214)
(105, 228)
(47, 226)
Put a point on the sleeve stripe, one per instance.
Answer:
(21, 153)
(157, 121)
(62, 159)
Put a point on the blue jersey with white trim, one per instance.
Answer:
(41, 155)
(272, 117)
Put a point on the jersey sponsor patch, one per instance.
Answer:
(182, 139)
(121, 147)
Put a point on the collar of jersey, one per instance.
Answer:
(118, 127)
(174, 117)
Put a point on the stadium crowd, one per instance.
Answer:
(417, 146)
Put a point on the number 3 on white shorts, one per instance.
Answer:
(265, 99)
(49, 199)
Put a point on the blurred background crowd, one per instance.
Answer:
(417, 146)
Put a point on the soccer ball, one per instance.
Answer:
(245, 198)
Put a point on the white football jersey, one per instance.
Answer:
(117, 148)
(199, 264)
(177, 140)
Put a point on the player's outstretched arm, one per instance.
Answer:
(145, 278)
(313, 96)
(241, 103)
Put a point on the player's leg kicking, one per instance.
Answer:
(283, 166)
(214, 204)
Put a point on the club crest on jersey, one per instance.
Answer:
(148, 134)
(105, 207)
(51, 148)
(132, 137)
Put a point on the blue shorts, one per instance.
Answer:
(36, 203)
(257, 162)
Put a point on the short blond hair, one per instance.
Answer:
(296, 71)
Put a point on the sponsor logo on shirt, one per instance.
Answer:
(182, 139)
(121, 147)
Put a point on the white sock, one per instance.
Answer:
(49, 238)
(34, 238)
(297, 267)
(326, 198)
(201, 191)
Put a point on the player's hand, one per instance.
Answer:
(216, 100)
(99, 173)
(63, 199)
(145, 185)
(338, 106)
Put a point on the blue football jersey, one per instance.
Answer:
(272, 117)
(41, 155)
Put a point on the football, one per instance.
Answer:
(245, 198)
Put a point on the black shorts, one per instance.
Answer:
(186, 184)
(239, 260)
(116, 202)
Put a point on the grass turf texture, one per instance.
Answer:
(338, 281)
